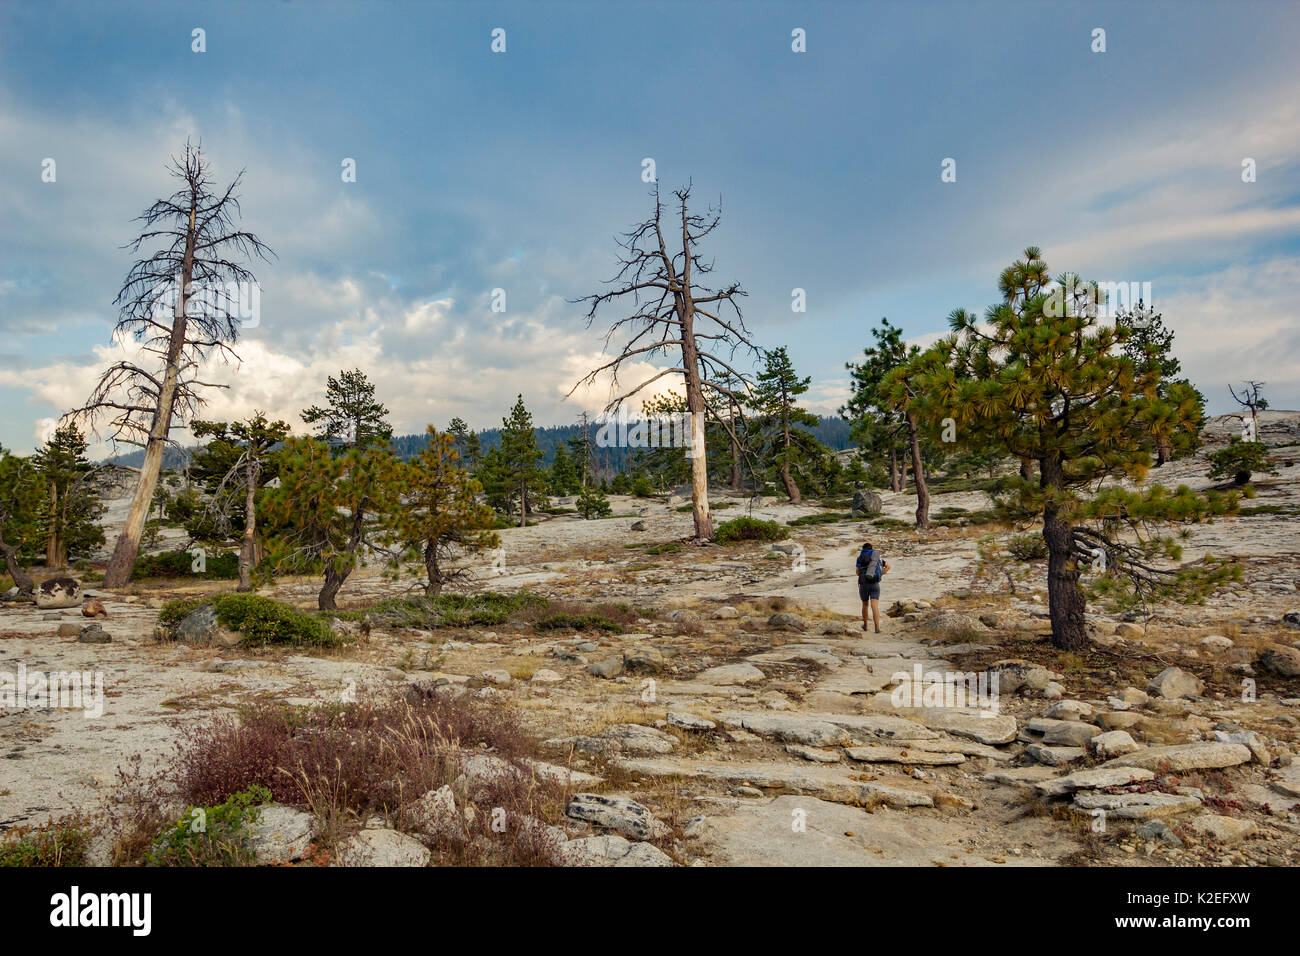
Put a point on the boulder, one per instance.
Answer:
(58, 593)
(866, 503)
(728, 675)
(611, 850)
(620, 814)
(546, 676)
(435, 814)
(94, 634)
(1097, 779)
(1174, 682)
(689, 721)
(643, 659)
(1014, 675)
(1113, 743)
(1280, 660)
(281, 834)
(1070, 733)
(1158, 832)
(1208, 755)
(682, 616)
(609, 668)
(1221, 829)
(785, 621)
(725, 613)
(1136, 806)
(94, 608)
(381, 847)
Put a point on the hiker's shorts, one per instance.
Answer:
(868, 590)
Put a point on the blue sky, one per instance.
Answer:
(478, 170)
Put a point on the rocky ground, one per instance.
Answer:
(745, 718)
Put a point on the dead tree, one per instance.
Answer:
(182, 304)
(674, 317)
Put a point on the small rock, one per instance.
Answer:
(1113, 743)
(1174, 682)
(381, 847)
(609, 668)
(93, 608)
(620, 814)
(94, 634)
(785, 621)
(689, 721)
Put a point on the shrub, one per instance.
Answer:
(263, 620)
(213, 836)
(747, 529)
(1239, 460)
(179, 564)
(829, 517)
(346, 763)
(1027, 547)
(449, 609)
(60, 842)
(259, 619)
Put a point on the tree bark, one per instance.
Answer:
(22, 580)
(894, 484)
(434, 573)
(918, 474)
(1026, 472)
(333, 582)
(1066, 602)
(127, 548)
(248, 547)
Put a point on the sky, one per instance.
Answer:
(479, 170)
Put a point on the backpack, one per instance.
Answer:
(872, 571)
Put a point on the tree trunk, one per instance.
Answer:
(52, 543)
(127, 548)
(735, 456)
(333, 582)
(1066, 602)
(248, 547)
(22, 580)
(1026, 472)
(1163, 452)
(695, 406)
(431, 569)
(918, 474)
(894, 484)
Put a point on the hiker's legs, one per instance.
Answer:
(866, 612)
(875, 613)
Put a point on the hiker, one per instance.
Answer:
(871, 568)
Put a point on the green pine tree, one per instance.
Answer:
(351, 418)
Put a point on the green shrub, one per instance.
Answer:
(264, 621)
(747, 529)
(1239, 460)
(1027, 547)
(60, 842)
(823, 518)
(260, 620)
(577, 622)
(213, 836)
(448, 610)
(179, 564)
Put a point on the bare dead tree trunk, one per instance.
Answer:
(197, 225)
(248, 547)
(667, 304)
(56, 551)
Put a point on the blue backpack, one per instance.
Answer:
(873, 570)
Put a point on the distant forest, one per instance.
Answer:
(833, 432)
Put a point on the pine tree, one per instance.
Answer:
(468, 448)
(786, 447)
(72, 506)
(880, 424)
(1046, 382)
(249, 442)
(22, 533)
(520, 459)
(330, 510)
(439, 514)
(564, 475)
(1150, 341)
(351, 417)
(592, 503)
